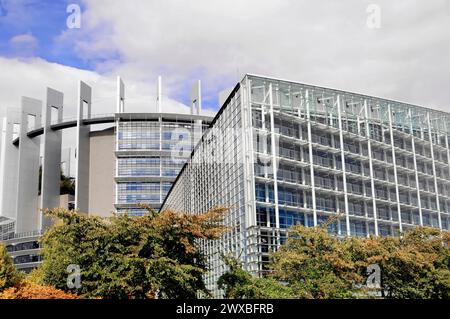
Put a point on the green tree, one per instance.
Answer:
(66, 184)
(414, 266)
(316, 264)
(9, 275)
(130, 257)
(239, 284)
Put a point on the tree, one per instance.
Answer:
(29, 290)
(130, 257)
(9, 275)
(239, 284)
(66, 184)
(414, 266)
(317, 265)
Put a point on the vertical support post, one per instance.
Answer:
(274, 152)
(434, 169)
(416, 176)
(447, 146)
(247, 138)
(344, 175)
(28, 169)
(120, 108)
(311, 158)
(372, 182)
(196, 98)
(394, 162)
(159, 95)
(83, 149)
(51, 160)
(10, 165)
(3, 125)
(196, 105)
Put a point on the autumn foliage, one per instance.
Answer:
(29, 290)
(314, 264)
(124, 257)
(14, 285)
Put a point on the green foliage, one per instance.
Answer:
(239, 284)
(414, 266)
(66, 184)
(9, 275)
(130, 257)
(315, 264)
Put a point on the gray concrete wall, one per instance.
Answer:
(83, 149)
(51, 160)
(10, 168)
(28, 169)
(102, 167)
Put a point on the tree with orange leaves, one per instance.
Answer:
(122, 257)
(30, 290)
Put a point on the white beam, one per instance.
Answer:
(344, 175)
(274, 152)
(120, 98)
(10, 164)
(372, 182)
(416, 176)
(159, 95)
(83, 149)
(28, 169)
(434, 170)
(394, 162)
(311, 158)
(51, 160)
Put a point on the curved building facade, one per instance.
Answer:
(130, 159)
(281, 153)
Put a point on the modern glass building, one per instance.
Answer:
(6, 228)
(150, 151)
(281, 153)
(25, 250)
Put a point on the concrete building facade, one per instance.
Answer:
(132, 162)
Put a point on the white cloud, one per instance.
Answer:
(24, 44)
(321, 42)
(30, 77)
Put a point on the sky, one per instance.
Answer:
(403, 55)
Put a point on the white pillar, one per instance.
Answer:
(120, 98)
(51, 161)
(159, 95)
(248, 155)
(416, 176)
(10, 164)
(28, 169)
(372, 182)
(196, 98)
(394, 162)
(83, 149)
(274, 152)
(344, 175)
(311, 159)
(434, 170)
